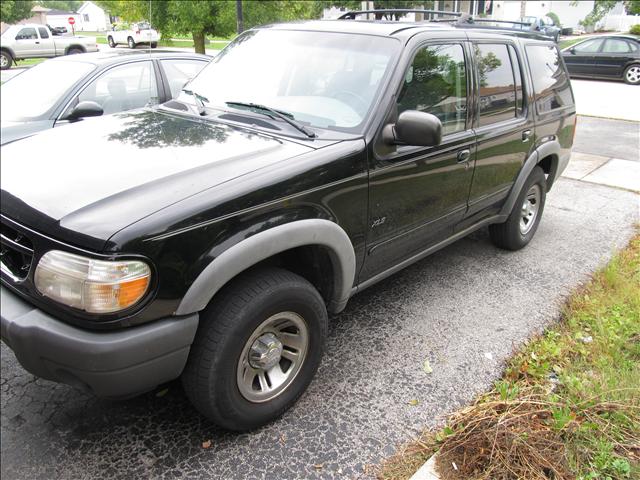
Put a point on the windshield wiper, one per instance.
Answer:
(202, 110)
(272, 112)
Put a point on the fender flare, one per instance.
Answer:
(263, 245)
(9, 51)
(546, 149)
(78, 46)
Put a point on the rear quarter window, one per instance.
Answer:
(550, 81)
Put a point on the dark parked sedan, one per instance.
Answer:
(611, 56)
(66, 89)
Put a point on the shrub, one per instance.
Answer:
(635, 29)
(555, 19)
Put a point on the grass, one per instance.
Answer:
(29, 62)
(569, 42)
(179, 41)
(568, 404)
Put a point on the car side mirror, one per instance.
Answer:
(414, 128)
(88, 108)
(572, 50)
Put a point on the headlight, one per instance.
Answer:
(96, 286)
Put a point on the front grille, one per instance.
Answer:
(16, 253)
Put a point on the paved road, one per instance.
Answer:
(465, 309)
(594, 136)
(607, 99)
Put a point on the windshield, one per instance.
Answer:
(326, 80)
(32, 94)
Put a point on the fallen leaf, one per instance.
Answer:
(488, 355)
(162, 392)
(426, 367)
(318, 466)
(413, 402)
(206, 444)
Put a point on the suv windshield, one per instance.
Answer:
(326, 80)
(30, 95)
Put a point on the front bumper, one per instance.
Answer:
(109, 364)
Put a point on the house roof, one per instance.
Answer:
(60, 12)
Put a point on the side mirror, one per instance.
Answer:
(414, 128)
(87, 108)
(572, 50)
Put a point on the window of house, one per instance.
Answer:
(497, 83)
(85, 17)
(436, 83)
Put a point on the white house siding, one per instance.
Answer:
(92, 18)
(63, 20)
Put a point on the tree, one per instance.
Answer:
(12, 11)
(203, 17)
(68, 5)
(600, 9)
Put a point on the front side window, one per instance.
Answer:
(615, 45)
(43, 32)
(590, 46)
(27, 34)
(325, 80)
(436, 83)
(497, 83)
(550, 80)
(123, 88)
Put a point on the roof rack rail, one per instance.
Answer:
(395, 11)
(466, 19)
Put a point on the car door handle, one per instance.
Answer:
(464, 155)
(37, 43)
(526, 135)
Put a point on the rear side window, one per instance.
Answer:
(517, 74)
(436, 83)
(497, 83)
(43, 32)
(615, 45)
(550, 81)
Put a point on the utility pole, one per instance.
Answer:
(240, 19)
(523, 9)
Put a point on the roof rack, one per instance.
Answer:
(466, 19)
(395, 11)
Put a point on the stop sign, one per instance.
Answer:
(71, 20)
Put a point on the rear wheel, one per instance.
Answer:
(112, 44)
(258, 346)
(131, 43)
(6, 60)
(632, 74)
(74, 51)
(154, 44)
(522, 223)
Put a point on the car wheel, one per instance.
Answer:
(257, 348)
(154, 44)
(74, 51)
(112, 44)
(131, 43)
(6, 60)
(522, 223)
(632, 74)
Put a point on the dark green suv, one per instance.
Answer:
(209, 237)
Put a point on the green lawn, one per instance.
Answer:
(568, 404)
(569, 42)
(30, 62)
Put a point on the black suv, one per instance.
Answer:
(208, 238)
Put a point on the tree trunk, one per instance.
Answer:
(198, 41)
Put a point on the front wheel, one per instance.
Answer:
(131, 42)
(5, 60)
(257, 348)
(632, 74)
(154, 44)
(522, 223)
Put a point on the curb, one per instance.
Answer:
(427, 471)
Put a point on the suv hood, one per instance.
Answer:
(100, 175)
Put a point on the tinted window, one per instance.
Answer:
(27, 34)
(179, 72)
(550, 81)
(615, 45)
(590, 46)
(497, 84)
(43, 32)
(123, 88)
(517, 73)
(436, 83)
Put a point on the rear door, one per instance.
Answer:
(504, 126)
(581, 58)
(613, 58)
(47, 46)
(417, 194)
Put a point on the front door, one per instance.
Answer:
(27, 43)
(417, 194)
(582, 57)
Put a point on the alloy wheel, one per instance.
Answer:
(530, 208)
(633, 74)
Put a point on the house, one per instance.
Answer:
(92, 18)
(60, 18)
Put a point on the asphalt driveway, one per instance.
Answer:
(464, 309)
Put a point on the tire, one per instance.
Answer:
(231, 327)
(131, 43)
(154, 44)
(74, 51)
(516, 232)
(632, 74)
(112, 44)
(6, 60)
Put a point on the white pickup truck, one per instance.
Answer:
(34, 40)
(133, 34)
